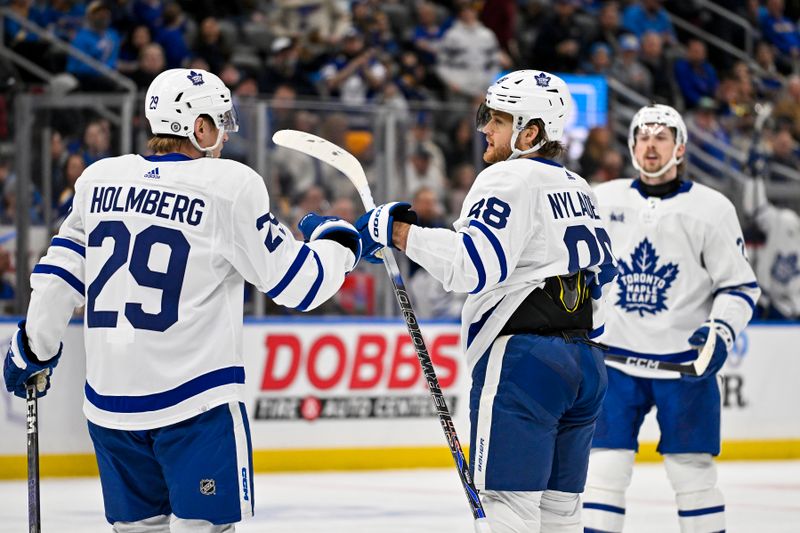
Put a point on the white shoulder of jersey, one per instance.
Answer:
(610, 190)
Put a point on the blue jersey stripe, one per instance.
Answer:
(162, 400)
(751, 285)
(597, 332)
(476, 260)
(72, 245)
(62, 273)
(745, 297)
(604, 507)
(498, 248)
(677, 357)
(291, 273)
(312, 293)
(476, 326)
(167, 157)
(701, 512)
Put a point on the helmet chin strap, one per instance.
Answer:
(673, 162)
(209, 152)
(515, 152)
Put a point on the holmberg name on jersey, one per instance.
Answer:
(164, 204)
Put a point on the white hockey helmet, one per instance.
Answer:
(176, 97)
(658, 115)
(526, 95)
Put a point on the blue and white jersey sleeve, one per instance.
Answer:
(735, 289)
(58, 284)
(491, 233)
(294, 274)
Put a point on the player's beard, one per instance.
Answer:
(652, 165)
(495, 153)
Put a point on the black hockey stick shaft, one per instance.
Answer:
(348, 165)
(462, 465)
(34, 514)
(687, 369)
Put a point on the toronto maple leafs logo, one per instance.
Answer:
(784, 268)
(542, 79)
(195, 77)
(643, 285)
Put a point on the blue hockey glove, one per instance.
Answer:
(314, 226)
(375, 227)
(723, 345)
(21, 363)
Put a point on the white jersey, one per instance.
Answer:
(157, 249)
(681, 262)
(522, 222)
(778, 261)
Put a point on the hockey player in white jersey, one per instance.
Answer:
(778, 260)
(530, 249)
(158, 248)
(681, 264)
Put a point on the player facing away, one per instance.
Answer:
(158, 248)
(530, 249)
(681, 264)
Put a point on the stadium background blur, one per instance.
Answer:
(396, 83)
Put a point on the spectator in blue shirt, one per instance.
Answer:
(648, 15)
(780, 31)
(171, 36)
(696, 77)
(99, 41)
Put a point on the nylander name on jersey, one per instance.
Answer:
(571, 204)
(147, 201)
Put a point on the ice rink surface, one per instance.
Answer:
(761, 497)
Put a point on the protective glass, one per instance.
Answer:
(230, 120)
(483, 116)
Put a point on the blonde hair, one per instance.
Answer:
(167, 144)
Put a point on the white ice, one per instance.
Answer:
(762, 497)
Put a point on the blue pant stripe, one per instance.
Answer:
(604, 507)
(701, 512)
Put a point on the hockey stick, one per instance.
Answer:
(692, 368)
(37, 381)
(347, 164)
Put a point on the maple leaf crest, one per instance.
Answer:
(784, 268)
(643, 283)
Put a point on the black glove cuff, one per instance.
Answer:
(345, 238)
(405, 215)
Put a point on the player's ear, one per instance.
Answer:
(528, 135)
(200, 127)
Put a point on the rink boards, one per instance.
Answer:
(348, 394)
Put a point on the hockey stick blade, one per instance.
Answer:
(704, 358)
(326, 151)
(692, 368)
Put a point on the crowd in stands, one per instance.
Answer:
(429, 61)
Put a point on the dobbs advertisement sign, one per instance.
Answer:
(354, 382)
